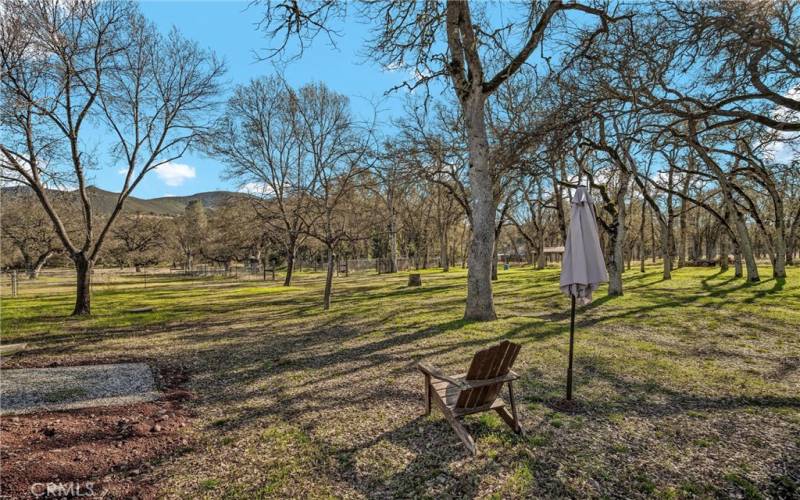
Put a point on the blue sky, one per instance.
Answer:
(229, 29)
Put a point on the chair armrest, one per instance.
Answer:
(434, 372)
(510, 376)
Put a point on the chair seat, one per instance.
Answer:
(448, 394)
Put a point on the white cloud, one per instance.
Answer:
(122, 171)
(393, 66)
(784, 149)
(787, 114)
(256, 188)
(175, 174)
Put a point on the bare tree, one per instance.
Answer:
(26, 227)
(260, 140)
(66, 64)
(389, 172)
(232, 234)
(138, 239)
(190, 229)
(336, 151)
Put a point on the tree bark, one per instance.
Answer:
(737, 261)
(779, 266)
(540, 257)
(665, 253)
(723, 254)
(791, 244)
(653, 238)
(83, 296)
(291, 252)
(779, 239)
(326, 299)
(642, 255)
(616, 265)
(559, 193)
(480, 303)
(668, 239)
(443, 248)
(682, 222)
(36, 267)
(392, 234)
(494, 263)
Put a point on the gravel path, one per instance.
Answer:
(28, 390)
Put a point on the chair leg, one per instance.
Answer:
(462, 433)
(507, 418)
(427, 394)
(517, 428)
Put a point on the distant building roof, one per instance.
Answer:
(553, 249)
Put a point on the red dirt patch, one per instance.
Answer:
(108, 450)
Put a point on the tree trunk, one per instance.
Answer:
(682, 223)
(668, 239)
(443, 248)
(737, 260)
(616, 265)
(792, 240)
(466, 238)
(326, 300)
(392, 268)
(723, 254)
(558, 191)
(480, 303)
(83, 296)
(779, 265)
(642, 255)
(494, 263)
(36, 267)
(653, 238)
(665, 253)
(540, 257)
(528, 253)
(392, 241)
(744, 245)
(291, 252)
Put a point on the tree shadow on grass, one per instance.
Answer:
(780, 283)
(643, 398)
(675, 303)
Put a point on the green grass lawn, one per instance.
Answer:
(685, 388)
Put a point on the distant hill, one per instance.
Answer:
(104, 201)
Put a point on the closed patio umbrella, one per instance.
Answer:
(583, 267)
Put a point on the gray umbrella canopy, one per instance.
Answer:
(583, 267)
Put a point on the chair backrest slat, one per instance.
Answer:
(489, 363)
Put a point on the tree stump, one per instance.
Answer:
(414, 280)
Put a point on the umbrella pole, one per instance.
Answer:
(571, 344)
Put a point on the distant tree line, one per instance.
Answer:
(681, 116)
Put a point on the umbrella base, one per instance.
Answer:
(567, 406)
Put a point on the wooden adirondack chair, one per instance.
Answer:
(475, 391)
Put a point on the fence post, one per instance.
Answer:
(13, 283)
